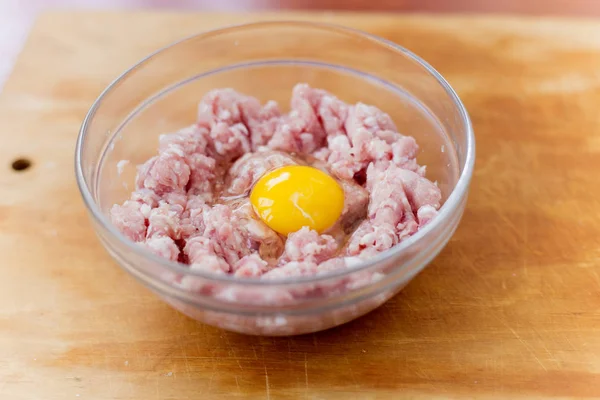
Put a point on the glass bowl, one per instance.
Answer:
(160, 95)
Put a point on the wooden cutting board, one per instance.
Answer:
(509, 310)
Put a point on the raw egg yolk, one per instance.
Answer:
(292, 197)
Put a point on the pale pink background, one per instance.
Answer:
(16, 16)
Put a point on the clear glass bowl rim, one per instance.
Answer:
(450, 205)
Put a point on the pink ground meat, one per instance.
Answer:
(308, 245)
(191, 200)
(250, 167)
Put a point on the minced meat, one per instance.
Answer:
(191, 200)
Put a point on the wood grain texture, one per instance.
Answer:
(510, 309)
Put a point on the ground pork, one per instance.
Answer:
(165, 220)
(250, 266)
(356, 199)
(129, 219)
(225, 108)
(163, 246)
(202, 255)
(191, 204)
(250, 167)
(259, 237)
(307, 245)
